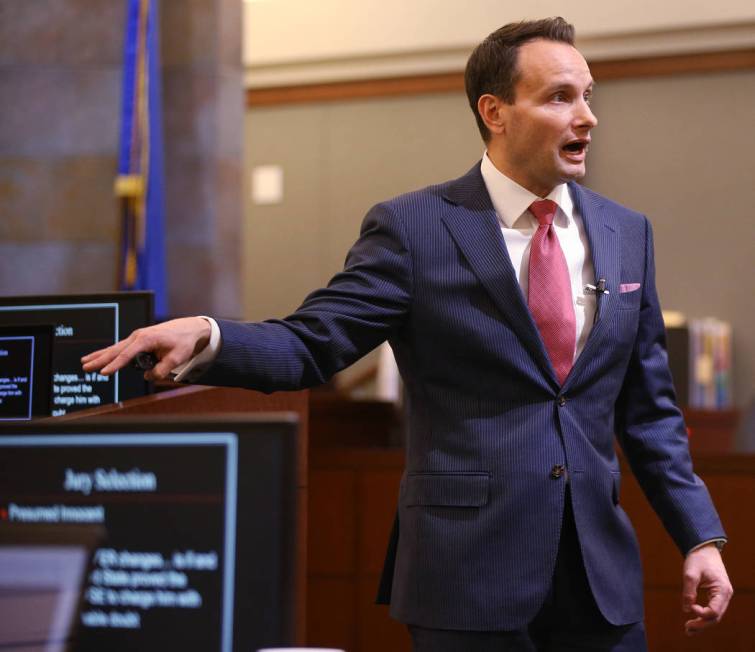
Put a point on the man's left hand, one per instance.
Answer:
(704, 571)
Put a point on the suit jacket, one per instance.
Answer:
(480, 503)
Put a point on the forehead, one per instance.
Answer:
(542, 62)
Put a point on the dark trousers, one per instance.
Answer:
(569, 620)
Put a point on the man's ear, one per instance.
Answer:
(492, 110)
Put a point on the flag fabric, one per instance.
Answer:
(139, 185)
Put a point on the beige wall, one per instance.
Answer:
(302, 41)
(678, 149)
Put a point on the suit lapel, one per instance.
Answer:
(604, 240)
(474, 226)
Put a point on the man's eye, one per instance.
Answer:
(560, 97)
(588, 98)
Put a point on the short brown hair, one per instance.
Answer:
(492, 66)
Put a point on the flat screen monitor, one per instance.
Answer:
(25, 371)
(82, 324)
(199, 516)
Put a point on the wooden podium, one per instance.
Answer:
(199, 399)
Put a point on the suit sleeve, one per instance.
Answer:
(652, 432)
(360, 308)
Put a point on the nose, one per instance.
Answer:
(585, 117)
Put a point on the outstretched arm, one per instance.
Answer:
(360, 308)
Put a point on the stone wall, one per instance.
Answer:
(60, 77)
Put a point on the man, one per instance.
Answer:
(523, 315)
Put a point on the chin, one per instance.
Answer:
(573, 173)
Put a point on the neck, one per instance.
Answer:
(501, 163)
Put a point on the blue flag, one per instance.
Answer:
(140, 184)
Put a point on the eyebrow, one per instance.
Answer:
(564, 84)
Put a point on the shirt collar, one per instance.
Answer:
(511, 201)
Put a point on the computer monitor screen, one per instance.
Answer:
(25, 371)
(82, 324)
(200, 521)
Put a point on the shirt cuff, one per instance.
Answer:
(196, 366)
(720, 543)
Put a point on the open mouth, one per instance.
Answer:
(576, 147)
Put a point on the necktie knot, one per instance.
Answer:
(544, 210)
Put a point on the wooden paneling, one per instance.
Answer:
(353, 494)
(675, 64)
(711, 430)
(332, 535)
(377, 631)
(378, 497)
(355, 90)
(678, 64)
(332, 613)
(349, 423)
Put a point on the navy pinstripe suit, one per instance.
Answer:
(479, 510)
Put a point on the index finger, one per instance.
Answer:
(102, 360)
(95, 354)
(122, 358)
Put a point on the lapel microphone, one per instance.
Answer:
(599, 289)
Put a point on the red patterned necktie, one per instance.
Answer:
(549, 291)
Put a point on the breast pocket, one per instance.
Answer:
(630, 295)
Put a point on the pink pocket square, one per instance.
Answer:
(628, 287)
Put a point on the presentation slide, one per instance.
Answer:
(164, 578)
(16, 377)
(25, 371)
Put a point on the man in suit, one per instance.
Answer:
(523, 314)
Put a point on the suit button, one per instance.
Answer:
(557, 471)
(562, 400)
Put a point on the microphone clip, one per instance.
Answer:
(598, 288)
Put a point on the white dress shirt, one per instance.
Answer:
(511, 202)
(189, 370)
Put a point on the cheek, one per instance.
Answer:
(545, 135)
